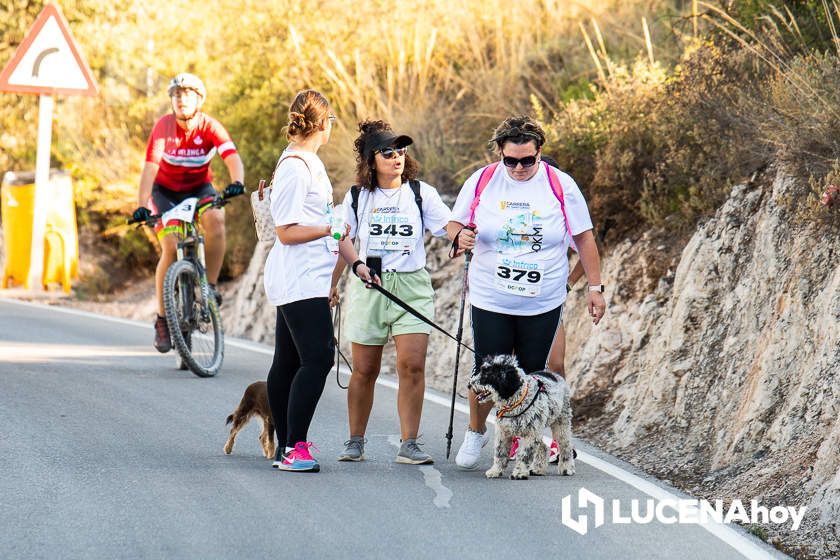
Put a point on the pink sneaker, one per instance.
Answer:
(298, 459)
(553, 453)
(514, 446)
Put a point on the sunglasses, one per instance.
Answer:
(391, 153)
(512, 162)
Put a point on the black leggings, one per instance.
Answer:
(303, 355)
(529, 338)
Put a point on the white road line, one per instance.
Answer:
(730, 536)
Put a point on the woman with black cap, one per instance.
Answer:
(523, 216)
(389, 211)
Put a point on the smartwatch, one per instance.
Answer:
(599, 288)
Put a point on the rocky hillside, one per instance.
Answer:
(717, 367)
(722, 374)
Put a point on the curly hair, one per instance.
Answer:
(306, 113)
(518, 130)
(366, 167)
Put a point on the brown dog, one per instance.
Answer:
(254, 402)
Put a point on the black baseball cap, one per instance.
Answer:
(384, 139)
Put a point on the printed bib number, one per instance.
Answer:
(184, 212)
(392, 232)
(519, 276)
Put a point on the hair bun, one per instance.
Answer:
(297, 119)
(307, 112)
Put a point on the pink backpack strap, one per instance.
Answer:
(557, 189)
(483, 180)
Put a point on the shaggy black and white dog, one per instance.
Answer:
(526, 404)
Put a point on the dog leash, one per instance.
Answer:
(337, 342)
(414, 312)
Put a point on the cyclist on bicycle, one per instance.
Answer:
(177, 167)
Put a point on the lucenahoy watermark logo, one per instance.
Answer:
(670, 511)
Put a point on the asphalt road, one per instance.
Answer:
(107, 451)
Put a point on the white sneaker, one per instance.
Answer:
(470, 450)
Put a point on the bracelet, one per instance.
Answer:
(355, 265)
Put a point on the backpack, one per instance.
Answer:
(553, 180)
(356, 190)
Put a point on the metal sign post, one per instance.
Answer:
(42, 181)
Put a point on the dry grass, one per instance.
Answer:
(631, 91)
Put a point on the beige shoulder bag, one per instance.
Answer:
(261, 207)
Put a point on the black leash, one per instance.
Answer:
(414, 312)
(337, 342)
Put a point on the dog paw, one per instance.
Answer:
(518, 476)
(566, 469)
(228, 449)
(493, 472)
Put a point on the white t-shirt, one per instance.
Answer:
(391, 225)
(300, 196)
(520, 264)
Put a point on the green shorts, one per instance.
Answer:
(372, 317)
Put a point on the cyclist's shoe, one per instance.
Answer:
(297, 459)
(216, 294)
(354, 449)
(411, 454)
(163, 343)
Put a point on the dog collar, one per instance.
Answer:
(501, 412)
(540, 389)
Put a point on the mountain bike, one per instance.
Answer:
(192, 313)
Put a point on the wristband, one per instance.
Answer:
(355, 265)
(599, 288)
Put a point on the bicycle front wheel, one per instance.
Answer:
(195, 325)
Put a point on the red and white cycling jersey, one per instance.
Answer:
(184, 155)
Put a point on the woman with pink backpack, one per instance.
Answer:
(519, 216)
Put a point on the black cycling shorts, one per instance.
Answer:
(163, 199)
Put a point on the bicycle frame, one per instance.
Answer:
(191, 247)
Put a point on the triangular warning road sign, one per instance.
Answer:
(48, 60)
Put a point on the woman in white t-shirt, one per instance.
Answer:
(297, 280)
(389, 211)
(517, 277)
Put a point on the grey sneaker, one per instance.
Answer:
(411, 454)
(354, 449)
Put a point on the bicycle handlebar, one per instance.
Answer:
(219, 201)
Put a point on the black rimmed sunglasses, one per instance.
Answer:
(391, 153)
(527, 161)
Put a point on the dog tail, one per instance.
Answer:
(229, 419)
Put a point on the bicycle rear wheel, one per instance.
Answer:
(195, 325)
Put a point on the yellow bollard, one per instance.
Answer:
(61, 240)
